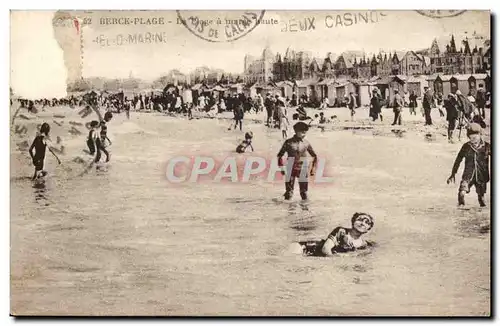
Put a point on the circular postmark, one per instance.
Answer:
(437, 13)
(224, 26)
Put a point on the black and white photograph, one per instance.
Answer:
(253, 163)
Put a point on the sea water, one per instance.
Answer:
(125, 241)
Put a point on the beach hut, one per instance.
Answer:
(397, 82)
(453, 81)
(236, 88)
(254, 89)
(416, 84)
(286, 88)
(340, 93)
(264, 88)
(462, 83)
(257, 88)
(442, 84)
(219, 91)
(365, 90)
(342, 90)
(307, 86)
(326, 88)
(382, 84)
(437, 84)
(479, 80)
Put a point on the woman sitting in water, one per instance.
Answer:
(343, 239)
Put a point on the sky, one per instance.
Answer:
(36, 61)
(36, 44)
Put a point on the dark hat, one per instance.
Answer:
(474, 128)
(426, 87)
(368, 216)
(300, 126)
(108, 115)
(45, 128)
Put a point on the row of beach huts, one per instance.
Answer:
(337, 89)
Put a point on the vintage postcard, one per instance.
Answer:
(250, 163)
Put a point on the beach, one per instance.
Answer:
(128, 242)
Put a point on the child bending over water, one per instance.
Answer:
(246, 143)
(103, 140)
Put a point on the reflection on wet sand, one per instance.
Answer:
(40, 192)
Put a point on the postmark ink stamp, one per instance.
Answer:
(230, 27)
(440, 13)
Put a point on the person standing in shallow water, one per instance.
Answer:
(102, 140)
(91, 139)
(476, 153)
(297, 148)
(452, 114)
(39, 145)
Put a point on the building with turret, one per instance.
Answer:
(383, 65)
(259, 69)
(473, 55)
(293, 65)
(362, 68)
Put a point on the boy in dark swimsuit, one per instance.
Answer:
(91, 140)
(476, 171)
(40, 145)
(103, 138)
(297, 148)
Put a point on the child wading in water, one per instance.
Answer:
(91, 140)
(297, 148)
(40, 144)
(246, 143)
(102, 140)
(476, 171)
